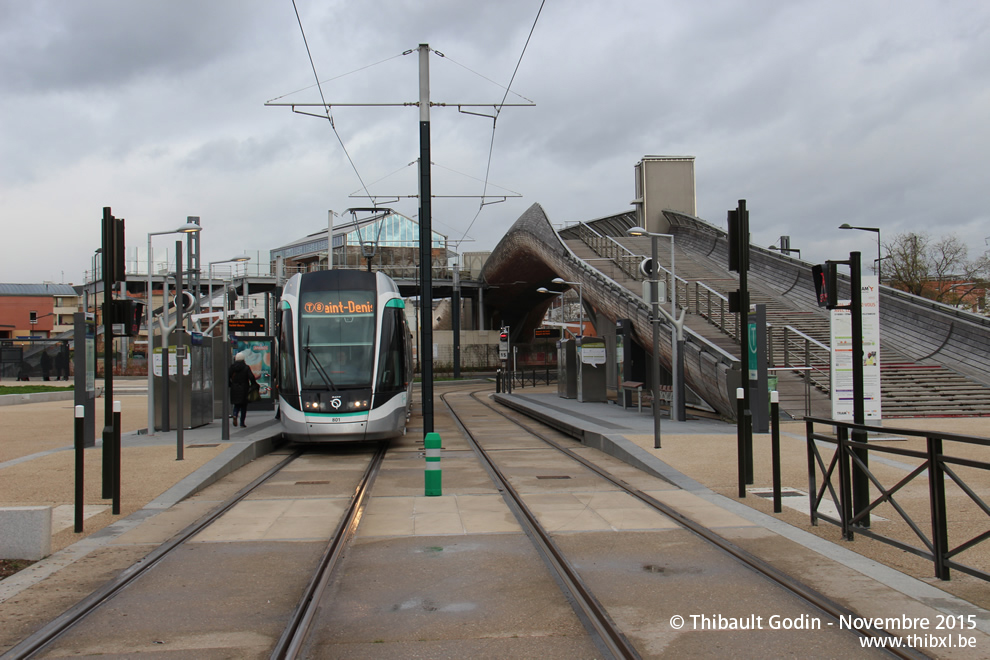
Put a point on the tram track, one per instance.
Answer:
(301, 617)
(600, 624)
(296, 632)
(595, 617)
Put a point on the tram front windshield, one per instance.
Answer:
(337, 339)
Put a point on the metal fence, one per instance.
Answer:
(910, 514)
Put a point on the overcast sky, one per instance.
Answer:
(875, 113)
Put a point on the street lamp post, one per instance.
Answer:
(846, 225)
(560, 280)
(188, 228)
(241, 258)
(676, 327)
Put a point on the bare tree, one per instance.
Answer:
(938, 270)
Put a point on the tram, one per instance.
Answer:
(345, 358)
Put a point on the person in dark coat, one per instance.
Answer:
(46, 364)
(241, 379)
(62, 363)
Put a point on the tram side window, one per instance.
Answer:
(390, 366)
(286, 356)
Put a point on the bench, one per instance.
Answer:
(633, 385)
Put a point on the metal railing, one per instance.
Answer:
(609, 248)
(814, 359)
(851, 460)
(714, 307)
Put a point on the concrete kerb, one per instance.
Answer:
(618, 446)
(232, 458)
(35, 397)
(260, 442)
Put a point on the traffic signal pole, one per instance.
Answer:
(738, 222)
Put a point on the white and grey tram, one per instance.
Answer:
(345, 358)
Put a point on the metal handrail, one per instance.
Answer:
(853, 456)
(816, 367)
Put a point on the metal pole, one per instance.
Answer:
(677, 391)
(741, 440)
(655, 306)
(425, 241)
(225, 346)
(456, 301)
(879, 261)
(116, 457)
(861, 482)
(580, 310)
(180, 352)
(108, 272)
(209, 291)
(149, 352)
(192, 258)
(775, 448)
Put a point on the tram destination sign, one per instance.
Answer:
(245, 325)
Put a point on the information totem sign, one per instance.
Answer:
(842, 357)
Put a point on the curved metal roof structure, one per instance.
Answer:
(532, 254)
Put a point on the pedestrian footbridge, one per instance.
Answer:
(935, 360)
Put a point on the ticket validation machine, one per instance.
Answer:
(591, 376)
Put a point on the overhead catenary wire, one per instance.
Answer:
(329, 112)
(498, 110)
(338, 77)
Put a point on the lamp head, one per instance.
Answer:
(845, 225)
(558, 280)
(543, 289)
(636, 231)
(189, 228)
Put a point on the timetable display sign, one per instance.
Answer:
(245, 325)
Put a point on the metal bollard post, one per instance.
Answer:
(116, 458)
(80, 443)
(775, 447)
(433, 476)
(741, 439)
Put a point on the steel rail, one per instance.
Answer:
(43, 637)
(799, 589)
(296, 631)
(593, 615)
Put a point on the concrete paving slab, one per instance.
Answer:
(425, 516)
(271, 520)
(645, 579)
(252, 587)
(700, 510)
(446, 596)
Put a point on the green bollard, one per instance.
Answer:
(433, 481)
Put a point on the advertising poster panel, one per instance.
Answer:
(259, 359)
(842, 365)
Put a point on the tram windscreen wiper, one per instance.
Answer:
(319, 367)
